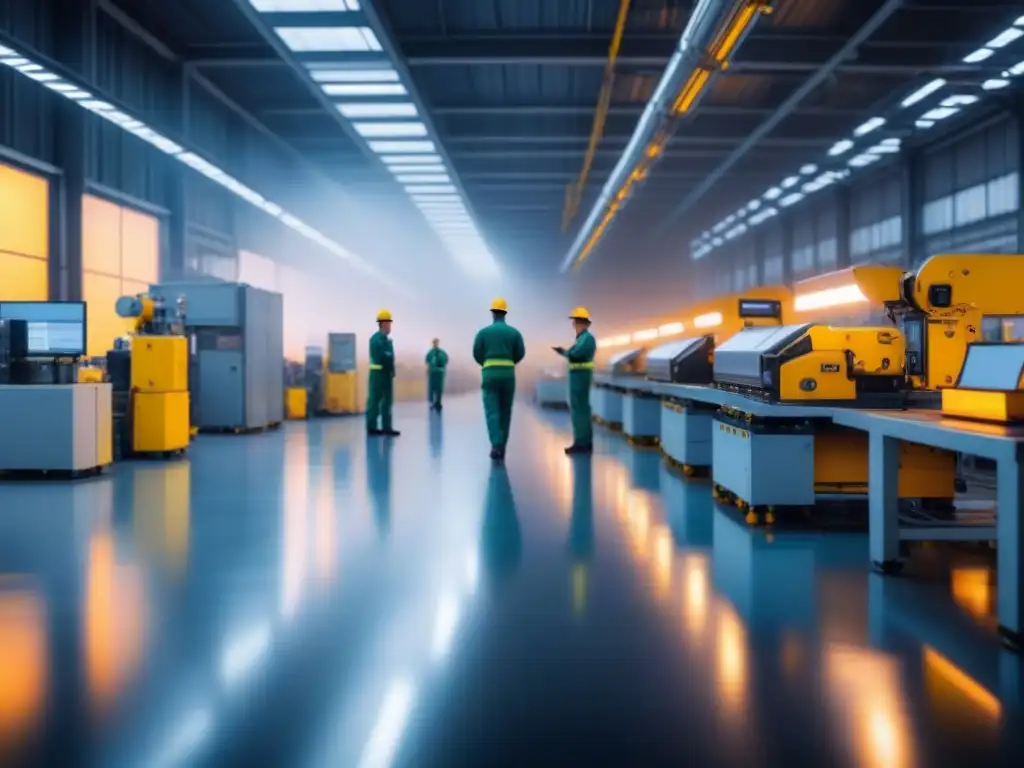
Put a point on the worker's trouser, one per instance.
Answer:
(378, 402)
(499, 389)
(579, 406)
(435, 386)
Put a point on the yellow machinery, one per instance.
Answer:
(296, 396)
(990, 386)
(157, 377)
(939, 308)
(89, 374)
(340, 377)
(815, 363)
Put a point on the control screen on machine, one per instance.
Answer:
(55, 328)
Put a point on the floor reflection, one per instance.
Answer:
(238, 608)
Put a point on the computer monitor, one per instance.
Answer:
(55, 328)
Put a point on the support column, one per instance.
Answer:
(75, 47)
(910, 209)
(787, 250)
(1019, 121)
(842, 227)
(172, 266)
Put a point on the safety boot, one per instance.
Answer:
(579, 449)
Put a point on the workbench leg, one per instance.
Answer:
(1009, 543)
(883, 503)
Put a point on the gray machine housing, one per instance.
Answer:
(740, 359)
(237, 347)
(630, 361)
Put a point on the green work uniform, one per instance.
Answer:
(581, 375)
(382, 382)
(437, 362)
(498, 348)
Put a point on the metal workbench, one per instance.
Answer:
(1001, 444)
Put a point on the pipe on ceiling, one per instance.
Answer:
(662, 111)
(786, 108)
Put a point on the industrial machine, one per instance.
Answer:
(816, 364)
(341, 381)
(149, 375)
(237, 382)
(686, 422)
(606, 397)
(296, 395)
(940, 307)
(50, 422)
(990, 386)
(313, 375)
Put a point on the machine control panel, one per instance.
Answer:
(54, 328)
(913, 335)
(762, 308)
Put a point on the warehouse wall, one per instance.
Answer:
(24, 235)
(961, 193)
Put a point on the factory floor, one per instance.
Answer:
(310, 598)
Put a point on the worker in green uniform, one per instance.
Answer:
(437, 362)
(581, 375)
(498, 348)
(382, 379)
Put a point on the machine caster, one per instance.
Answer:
(889, 567)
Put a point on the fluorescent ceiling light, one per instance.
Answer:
(434, 168)
(1016, 69)
(790, 181)
(923, 92)
(410, 159)
(430, 189)
(939, 113)
(789, 200)
(322, 39)
(883, 149)
(959, 100)
(764, 215)
(840, 147)
(753, 205)
(717, 241)
(979, 55)
(354, 75)
(995, 84)
(364, 89)
(859, 161)
(868, 126)
(1005, 38)
(402, 147)
(432, 199)
(356, 111)
(129, 124)
(424, 178)
(924, 123)
(773, 193)
(390, 130)
(304, 6)
(808, 169)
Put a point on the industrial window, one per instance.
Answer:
(120, 256)
(937, 215)
(803, 259)
(774, 267)
(828, 253)
(24, 235)
(969, 205)
(751, 275)
(1004, 194)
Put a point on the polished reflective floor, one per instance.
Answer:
(309, 598)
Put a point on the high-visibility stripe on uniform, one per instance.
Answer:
(498, 364)
(581, 366)
(375, 367)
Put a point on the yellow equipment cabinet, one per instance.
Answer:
(341, 380)
(939, 308)
(158, 399)
(990, 386)
(295, 403)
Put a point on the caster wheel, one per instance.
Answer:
(751, 518)
(889, 567)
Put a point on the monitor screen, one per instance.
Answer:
(55, 328)
(760, 308)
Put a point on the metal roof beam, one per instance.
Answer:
(572, 110)
(766, 50)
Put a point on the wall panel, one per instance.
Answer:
(24, 236)
(876, 218)
(23, 278)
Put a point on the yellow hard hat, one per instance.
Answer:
(580, 313)
(384, 316)
(499, 305)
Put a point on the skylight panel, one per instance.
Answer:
(357, 111)
(310, 39)
(424, 178)
(436, 168)
(410, 159)
(354, 75)
(390, 130)
(304, 6)
(402, 147)
(364, 89)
